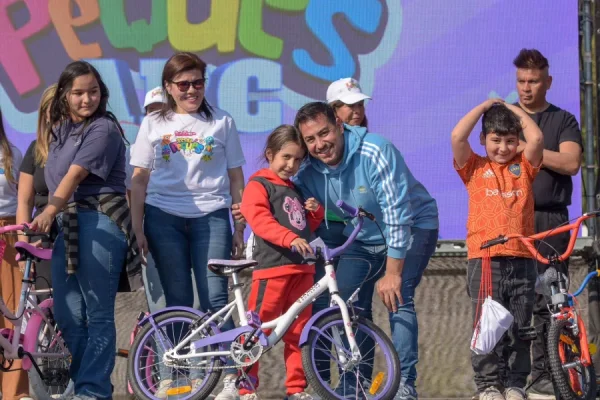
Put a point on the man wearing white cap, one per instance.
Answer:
(348, 101)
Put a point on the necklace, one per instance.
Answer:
(188, 127)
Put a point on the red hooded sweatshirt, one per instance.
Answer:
(256, 209)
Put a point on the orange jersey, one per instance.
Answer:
(500, 203)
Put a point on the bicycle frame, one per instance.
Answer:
(563, 300)
(281, 324)
(11, 345)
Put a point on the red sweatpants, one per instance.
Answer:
(272, 297)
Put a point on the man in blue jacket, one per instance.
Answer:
(364, 169)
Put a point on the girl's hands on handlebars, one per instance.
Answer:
(302, 246)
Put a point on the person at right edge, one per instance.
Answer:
(552, 189)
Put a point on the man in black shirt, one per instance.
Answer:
(552, 187)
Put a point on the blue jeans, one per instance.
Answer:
(403, 323)
(155, 295)
(84, 303)
(182, 245)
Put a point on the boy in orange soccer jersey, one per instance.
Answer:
(501, 202)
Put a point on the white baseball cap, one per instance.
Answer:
(154, 96)
(346, 90)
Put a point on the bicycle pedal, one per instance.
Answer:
(247, 382)
(527, 333)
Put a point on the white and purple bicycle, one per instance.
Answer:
(41, 347)
(184, 350)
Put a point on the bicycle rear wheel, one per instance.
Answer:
(573, 380)
(376, 376)
(148, 374)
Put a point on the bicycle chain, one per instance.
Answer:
(236, 366)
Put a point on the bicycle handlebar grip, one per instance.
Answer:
(493, 242)
(347, 208)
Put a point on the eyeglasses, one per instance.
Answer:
(184, 86)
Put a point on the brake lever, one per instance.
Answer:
(27, 231)
(363, 213)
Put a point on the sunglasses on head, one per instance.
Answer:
(184, 86)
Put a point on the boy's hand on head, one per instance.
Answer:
(489, 103)
(311, 204)
(302, 246)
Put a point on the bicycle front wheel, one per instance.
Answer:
(573, 380)
(326, 358)
(55, 382)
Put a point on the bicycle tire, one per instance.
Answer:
(179, 315)
(387, 349)
(38, 386)
(563, 379)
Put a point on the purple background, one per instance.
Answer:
(449, 56)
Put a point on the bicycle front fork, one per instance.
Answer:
(349, 322)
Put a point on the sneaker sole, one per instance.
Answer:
(540, 396)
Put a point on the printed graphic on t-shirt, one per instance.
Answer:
(295, 212)
(189, 144)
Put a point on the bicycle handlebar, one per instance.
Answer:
(528, 241)
(14, 228)
(359, 213)
(25, 229)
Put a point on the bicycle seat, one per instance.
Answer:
(26, 250)
(226, 267)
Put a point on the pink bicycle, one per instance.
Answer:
(42, 348)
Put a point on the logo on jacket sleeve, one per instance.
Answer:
(515, 169)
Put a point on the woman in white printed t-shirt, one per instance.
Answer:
(15, 385)
(188, 170)
(155, 295)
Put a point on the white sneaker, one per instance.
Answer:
(514, 393)
(229, 391)
(491, 393)
(163, 386)
(249, 396)
(300, 396)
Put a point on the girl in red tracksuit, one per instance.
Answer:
(275, 211)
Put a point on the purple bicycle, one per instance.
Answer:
(182, 351)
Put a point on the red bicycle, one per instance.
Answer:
(569, 355)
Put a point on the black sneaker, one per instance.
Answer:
(541, 390)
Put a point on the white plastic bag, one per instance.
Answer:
(250, 246)
(495, 320)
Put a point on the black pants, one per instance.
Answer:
(545, 220)
(513, 286)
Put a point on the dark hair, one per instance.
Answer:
(280, 136)
(501, 121)
(338, 103)
(7, 154)
(311, 111)
(531, 59)
(177, 64)
(60, 111)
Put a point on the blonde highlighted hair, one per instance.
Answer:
(43, 137)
